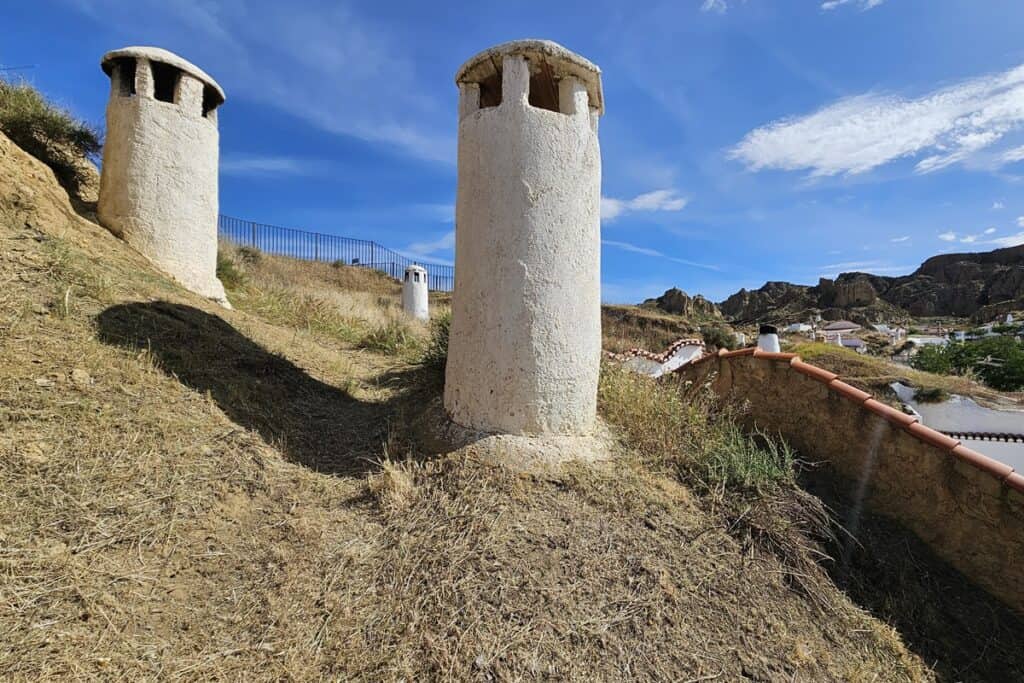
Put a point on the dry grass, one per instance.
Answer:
(190, 493)
(625, 327)
(875, 374)
(333, 303)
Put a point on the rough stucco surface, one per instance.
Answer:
(525, 344)
(415, 299)
(158, 186)
(965, 514)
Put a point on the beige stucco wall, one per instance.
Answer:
(525, 344)
(158, 186)
(968, 516)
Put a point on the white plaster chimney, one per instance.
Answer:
(525, 344)
(768, 339)
(158, 185)
(415, 300)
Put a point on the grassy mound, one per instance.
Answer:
(189, 492)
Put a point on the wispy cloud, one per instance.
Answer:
(1009, 240)
(948, 236)
(270, 166)
(1020, 221)
(647, 251)
(658, 200)
(900, 239)
(442, 243)
(875, 267)
(863, 4)
(1013, 155)
(719, 6)
(997, 206)
(304, 59)
(857, 134)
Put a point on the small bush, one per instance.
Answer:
(718, 336)
(250, 254)
(435, 355)
(228, 272)
(48, 133)
(392, 338)
(685, 433)
(931, 395)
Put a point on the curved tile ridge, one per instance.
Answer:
(908, 423)
(657, 357)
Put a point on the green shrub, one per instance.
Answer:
(229, 273)
(719, 336)
(48, 133)
(931, 395)
(996, 361)
(250, 254)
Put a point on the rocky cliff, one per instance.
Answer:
(679, 302)
(950, 284)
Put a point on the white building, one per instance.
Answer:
(525, 340)
(415, 294)
(798, 328)
(158, 186)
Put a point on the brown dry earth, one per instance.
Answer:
(192, 493)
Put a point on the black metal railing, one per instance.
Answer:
(314, 246)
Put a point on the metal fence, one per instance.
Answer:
(314, 246)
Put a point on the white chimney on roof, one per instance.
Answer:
(415, 293)
(768, 339)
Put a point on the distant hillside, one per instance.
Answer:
(980, 285)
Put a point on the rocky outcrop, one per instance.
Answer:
(950, 284)
(679, 302)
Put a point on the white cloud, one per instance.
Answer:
(948, 236)
(647, 251)
(1013, 155)
(863, 4)
(997, 205)
(442, 243)
(1020, 221)
(900, 239)
(969, 239)
(1009, 240)
(860, 133)
(719, 6)
(270, 166)
(876, 267)
(658, 200)
(989, 231)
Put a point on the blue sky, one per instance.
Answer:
(743, 141)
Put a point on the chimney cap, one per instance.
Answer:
(158, 54)
(768, 329)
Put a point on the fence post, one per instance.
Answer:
(316, 246)
(255, 246)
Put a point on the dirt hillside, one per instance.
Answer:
(193, 493)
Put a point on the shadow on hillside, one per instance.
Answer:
(955, 627)
(311, 422)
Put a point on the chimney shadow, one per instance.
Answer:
(313, 423)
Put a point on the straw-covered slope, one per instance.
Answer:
(189, 492)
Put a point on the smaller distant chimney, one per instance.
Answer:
(741, 339)
(768, 339)
(414, 293)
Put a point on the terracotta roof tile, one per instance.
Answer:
(847, 391)
(771, 355)
(929, 435)
(812, 371)
(889, 413)
(997, 469)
